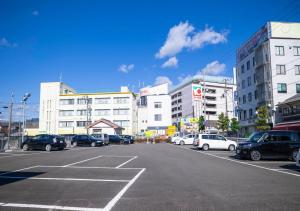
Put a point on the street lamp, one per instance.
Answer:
(24, 99)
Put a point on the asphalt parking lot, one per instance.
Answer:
(145, 177)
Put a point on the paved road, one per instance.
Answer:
(145, 177)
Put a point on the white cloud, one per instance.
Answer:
(35, 13)
(124, 68)
(162, 80)
(184, 36)
(4, 43)
(213, 68)
(171, 62)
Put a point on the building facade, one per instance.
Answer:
(268, 71)
(218, 98)
(63, 111)
(154, 109)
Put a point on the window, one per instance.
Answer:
(255, 94)
(296, 50)
(83, 123)
(243, 84)
(253, 61)
(122, 123)
(157, 117)
(243, 68)
(83, 101)
(104, 100)
(281, 88)
(121, 111)
(248, 65)
(297, 88)
(244, 99)
(279, 50)
(102, 112)
(254, 78)
(66, 113)
(280, 69)
(297, 69)
(81, 112)
(250, 113)
(245, 114)
(66, 124)
(66, 102)
(157, 105)
(121, 100)
(249, 97)
(249, 81)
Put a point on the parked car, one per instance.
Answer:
(86, 140)
(298, 159)
(131, 138)
(188, 139)
(44, 142)
(213, 141)
(116, 139)
(271, 144)
(102, 136)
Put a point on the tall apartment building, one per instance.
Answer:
(219, 95)
(268, 71)
(154, 109)
(63, 111)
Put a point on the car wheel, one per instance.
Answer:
(255, 155)
(93, 144)
(205, 147)
(48, 148)
(74, 144)
(294, 155)
(231, 148)
(181, 143)
(25, 147)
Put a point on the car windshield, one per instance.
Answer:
(255, 137)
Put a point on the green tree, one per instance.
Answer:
(234, 125)
(223, 122)
(201, 125)
(262, 119)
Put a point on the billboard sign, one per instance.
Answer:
(197, 91)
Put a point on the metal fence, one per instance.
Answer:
(13, 143)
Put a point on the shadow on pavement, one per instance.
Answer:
(7, 177)
(292, 167)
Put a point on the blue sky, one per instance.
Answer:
(101, 45)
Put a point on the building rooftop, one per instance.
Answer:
(208, 78)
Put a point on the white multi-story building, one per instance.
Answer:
(63, 111)
(268, 71)
(218, 97)
(154, 109)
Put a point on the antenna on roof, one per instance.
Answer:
(60, 77)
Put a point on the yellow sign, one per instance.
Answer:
(149, 133)
(171, 130)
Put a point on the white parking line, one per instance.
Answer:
(16, 155)
(31, 167)
(244, 163)
(113, 202)
(62, 179)
(91, 167)
(126, 162)
(82, 161)
(49, 207)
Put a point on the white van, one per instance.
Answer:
(187, 139)
(213, 141)
(103, 137)
(298, 159)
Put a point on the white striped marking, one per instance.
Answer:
(49, 207)
(82, 161)
(91, 167)
(62, 179)
(126, 162)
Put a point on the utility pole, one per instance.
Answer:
(10, 118)
(225, 95)
(24, 99)
(87, 114)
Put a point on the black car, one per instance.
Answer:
(86, 140)
(116, 139)
(44, 142)
(270, 145)
(130, 138)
